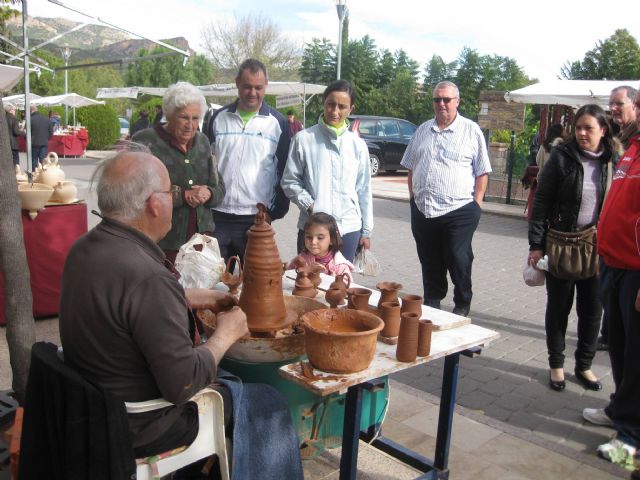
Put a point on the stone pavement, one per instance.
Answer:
(508, 424)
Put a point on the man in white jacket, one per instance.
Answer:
(250, 141)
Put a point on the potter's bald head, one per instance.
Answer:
(125, 182)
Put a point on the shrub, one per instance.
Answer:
(102, 123)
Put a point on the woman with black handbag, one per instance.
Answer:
(570, 194)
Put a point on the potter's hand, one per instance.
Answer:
(231, 325)
(214, 300)
(638, 301)
(534, 257)
(365, 242)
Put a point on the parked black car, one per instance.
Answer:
(386, 137)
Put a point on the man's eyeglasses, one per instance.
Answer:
(617, 104)
(175, 191)
(444, 100)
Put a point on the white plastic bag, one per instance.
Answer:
(532, 276)
(200, 269)
(366, 263)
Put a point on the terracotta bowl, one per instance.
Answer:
(34, 197)
(341, 340)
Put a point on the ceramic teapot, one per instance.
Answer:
(304, 286)
(64, 192)
(51, 172)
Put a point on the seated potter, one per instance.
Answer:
(124, 318)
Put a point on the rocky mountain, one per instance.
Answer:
(91, 43)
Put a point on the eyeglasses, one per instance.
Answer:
(175, 191)
(445, 100)
(617, 104)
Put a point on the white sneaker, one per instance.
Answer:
(616, 451)
(597, 416)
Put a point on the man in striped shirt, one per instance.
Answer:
(448, 171)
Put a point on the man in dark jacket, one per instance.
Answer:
(140, 124)
(14, 132)
(40, 134)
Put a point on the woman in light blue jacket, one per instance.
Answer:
(328, 171)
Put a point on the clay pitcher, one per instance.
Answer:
(359, 298)
(388, 292)
(261, 296)
(229, 279)
(64, 192)
(304, 286)
(407, 349)
(337, 291)
(51, 172)
(341, 281)
(390, 314)
(412, 303)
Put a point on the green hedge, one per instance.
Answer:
(102, 123)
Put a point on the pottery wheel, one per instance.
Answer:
(290, 317)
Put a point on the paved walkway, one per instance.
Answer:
(509, 424)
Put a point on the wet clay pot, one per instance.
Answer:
(261, 296)
(314, 274)
(304, 287)
(358, 298)
(229, 279)
(390, 314)
(411, 303)
(337, 291)
(407, 349)
(340, 340)
(388, 292)
(425, 328)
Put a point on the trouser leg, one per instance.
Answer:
(608, 287)
(427, 233)
(231, 233)
(350, 242)
(459, 227)
(624, 335)
(559, 303)
(589, 310)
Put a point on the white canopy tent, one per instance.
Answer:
(573, 93)
(72, 100)
(9, 77)
(221, 90)
(18, 100)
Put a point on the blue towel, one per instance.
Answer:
(265, 444)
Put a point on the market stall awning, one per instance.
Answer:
(70, 100)
(574, 93)
(18, 100)
(9, 77)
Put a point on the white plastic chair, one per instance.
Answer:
(210, 439)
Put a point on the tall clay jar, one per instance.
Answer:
(407, 349)
(390, 313)
(425, 329)
(388, 292)
(411, 303)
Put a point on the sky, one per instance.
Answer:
(541, 36)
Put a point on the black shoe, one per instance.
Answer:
(602, 344)
(462, 311)
(558, 386)
(432, 302)
(586, 383)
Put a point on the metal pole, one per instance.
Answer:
(27, 103)
(512, 157)
(341, 8)
(66, 53)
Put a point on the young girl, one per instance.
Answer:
(322, 245)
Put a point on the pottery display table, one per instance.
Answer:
(69, 144)
(47, 240)
(450, 341)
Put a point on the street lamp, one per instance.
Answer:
(341, 8)
(66, 53)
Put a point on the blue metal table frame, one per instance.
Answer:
(432, 469)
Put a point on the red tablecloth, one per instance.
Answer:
(71, 144)
(47, 240)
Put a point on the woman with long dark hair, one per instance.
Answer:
(571, 190)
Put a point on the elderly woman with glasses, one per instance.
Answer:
(196, 184)
(328, 171)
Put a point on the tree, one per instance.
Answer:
(318, 62)
(252, 36)
(616, 58)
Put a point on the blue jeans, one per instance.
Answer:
(38, 152)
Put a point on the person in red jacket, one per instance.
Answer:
(619, 247)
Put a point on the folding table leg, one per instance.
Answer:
(447, 405)
(351, 433)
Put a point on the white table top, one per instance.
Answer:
(443, 343)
